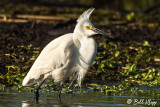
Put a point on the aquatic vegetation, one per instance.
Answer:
(130, 66)
(132, 63)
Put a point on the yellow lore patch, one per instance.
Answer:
(89, 27)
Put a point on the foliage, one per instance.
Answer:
(134, 63)
(16, 72)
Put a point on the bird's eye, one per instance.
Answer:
(89, 27)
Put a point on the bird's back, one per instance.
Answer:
(52, 57)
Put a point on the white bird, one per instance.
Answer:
(68, 55)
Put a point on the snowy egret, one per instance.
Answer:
(68, 55)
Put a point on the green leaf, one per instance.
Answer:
(145, 43)
(117, 53)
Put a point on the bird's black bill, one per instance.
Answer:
(98, 31)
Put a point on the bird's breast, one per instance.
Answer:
(88, 51)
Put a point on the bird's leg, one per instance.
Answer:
(36, 95)
(36, 92)
(72, 82)
(59, 93)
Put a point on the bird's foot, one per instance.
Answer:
(59, 98)
(36, 98)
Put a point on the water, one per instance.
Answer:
(76, 100)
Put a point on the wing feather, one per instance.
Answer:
(53, 56)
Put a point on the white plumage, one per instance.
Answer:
(69, 54)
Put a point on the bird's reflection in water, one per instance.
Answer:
(34, 104)
(25, 104)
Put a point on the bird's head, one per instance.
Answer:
(85, 27)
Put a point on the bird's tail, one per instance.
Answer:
(27, 81)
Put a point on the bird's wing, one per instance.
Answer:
(52, 57)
